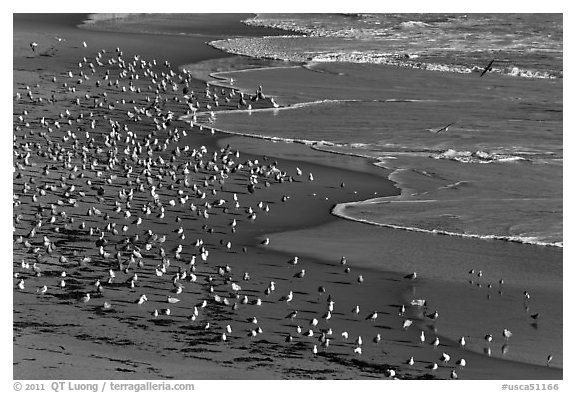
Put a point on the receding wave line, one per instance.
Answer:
(280, 108)
(219, 74)
(257, 136)
(338, 211)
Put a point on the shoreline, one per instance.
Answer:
(338, 210)
(334, 190)
(532, 234)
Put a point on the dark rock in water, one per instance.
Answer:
(251, 188)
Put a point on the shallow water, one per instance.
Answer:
(503, 154)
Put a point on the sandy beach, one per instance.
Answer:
(147, 247)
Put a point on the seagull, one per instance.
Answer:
(142, 299)
(33, 45)
(372, 316)
(461, 363)
(287, 298)
(445, 357)
(407, 324)
(402, 310)
(418, 302)
(548, 360)
(507, 334)
(331, 305)
(300, 274)
(488, 68)
(436, 131)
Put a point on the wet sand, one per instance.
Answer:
(57, 330)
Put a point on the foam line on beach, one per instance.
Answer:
(339, 209)
(256, 136)
(280, 108)
(218, 73)
(296, 106)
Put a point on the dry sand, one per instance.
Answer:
(58, 335)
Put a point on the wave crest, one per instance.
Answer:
(478, 157)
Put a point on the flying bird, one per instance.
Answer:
(436, 131)
(488, 68)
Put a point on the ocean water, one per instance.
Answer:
(379, 85)
(522, 44)
(495, 173)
